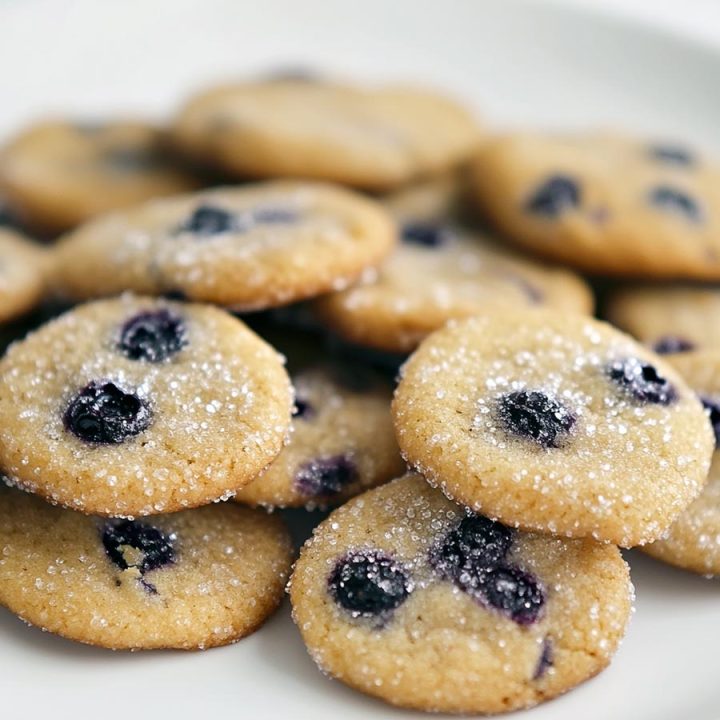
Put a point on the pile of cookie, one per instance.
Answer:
(216, 333)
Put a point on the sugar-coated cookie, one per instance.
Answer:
(604, 203)
(671, 319)
(57, 174)
(693, 540)
(342, 441)
(368, 138)
(136, 406)
(250, 247)
(404, 596)
(24, 269)
(442, 271)
(554, 422)
(189, 580)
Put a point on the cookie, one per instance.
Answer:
(135, 406)
(342, 441)
(57, 174)
(404, 596)
(189, 580)
(693, 540)
(24, 269)
(671, 319)
(442, 271)
(554, 422)
(249, 248)
(366, 138)
(603, 203)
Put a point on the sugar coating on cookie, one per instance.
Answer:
(250, 248)
(367, 138)
(342, 441)
(671, 319)
(438, 272)
(604, 203)
(189, 580)
(136, 406)
(403, 595)
(693, 540)
(24, 270)
(554, 422)
(58, 173)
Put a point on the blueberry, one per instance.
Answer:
(425, 234)
(155, 547)
(671, 344)
(103, 413)
(513, 592)
(642, 381)
(152, 336)
(325, 476)
(273, 216)
(546, 659)
(476, 544)
(208, 220)
(369, 583)
(712, 405)
(675, 201)
(556, 195)
(535, 416)
(671, 154)
(303, 409)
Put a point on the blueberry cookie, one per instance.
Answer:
(342, 441)
(671, 319)
(604, 203)
(57, 174)
(441, 271)
(24, 269)
(250, 248)
(367, 138)
(403, 595)
(693, 540)
(190, 580)
(135, 406)
(554, 422)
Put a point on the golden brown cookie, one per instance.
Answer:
(56, 174)
(404, 596)
(135, 406)
(554, 422)
(367, 138)
(189, 580)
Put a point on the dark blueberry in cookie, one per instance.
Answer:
(675, 201)
(532, 414)
(103, 413)
(208, 220)
(669, 344)
(712, 405)
(546, 659)
(153, 336)
(642, 381)
(515, 593)
(476, 544)
(325, 476)
(273, 216)
(671, 154)
(369, 583)
(556, 195)
(303, 409)
(425, 234)
(155, 549)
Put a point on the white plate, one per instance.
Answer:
(519, 63)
